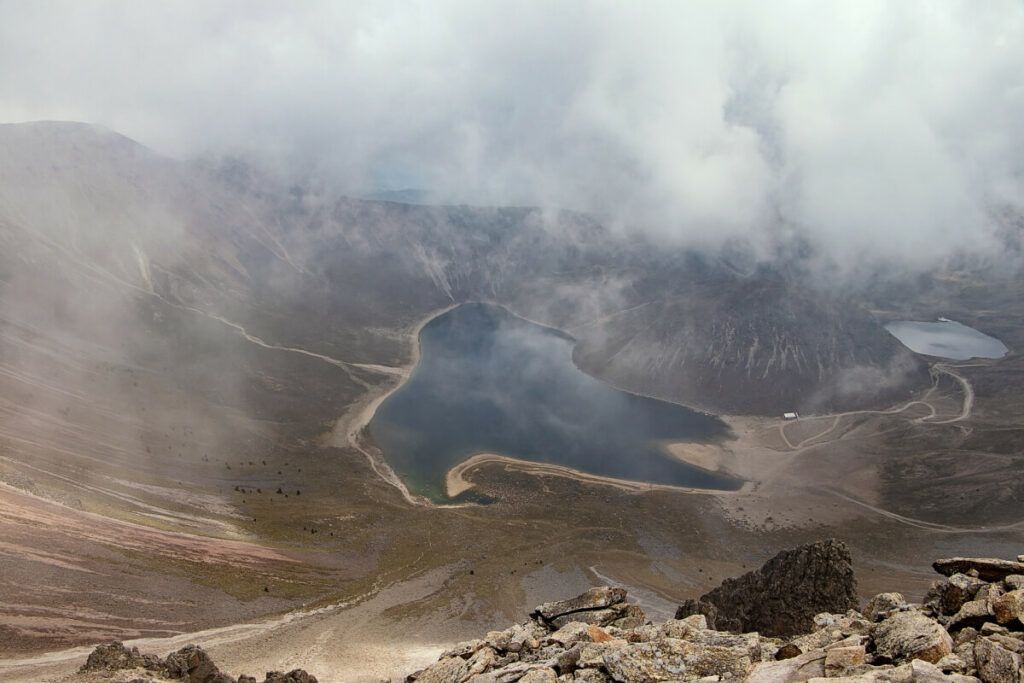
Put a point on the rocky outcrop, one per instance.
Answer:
(190, 664)
(782, 597)
(969, 630)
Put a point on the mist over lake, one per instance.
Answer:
(489, 381)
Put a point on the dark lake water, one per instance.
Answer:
(946, 339)
(489, 381)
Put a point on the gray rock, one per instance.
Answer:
(949, 595)
(1009, 608)
(112, 656)
(996, 664)
(544, 675)
(783, 596)
(840, 661)
(672, 659)
(882, 604)
(800, 668)
(450, 670)
(595, 598)
(293, 676)
(190, 663)
(986, 568)
(1014, 582)
(911, 635)
(973, 613)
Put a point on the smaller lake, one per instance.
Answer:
(489, 381)
(946, 339)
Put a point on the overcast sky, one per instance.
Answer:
(891, 127)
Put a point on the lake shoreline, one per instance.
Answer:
(456, 482)
(351, 428)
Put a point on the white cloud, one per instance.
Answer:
(871, 128)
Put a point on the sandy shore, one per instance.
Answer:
(349, 428)
(456, 480)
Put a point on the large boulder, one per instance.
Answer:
(985, 568)
(675, 660)
(906, 636)
(112, 656)
(1009, 608)
(594, 599)
(192, 664)
(996, 663)
(782, 597)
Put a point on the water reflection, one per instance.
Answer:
(489, 381)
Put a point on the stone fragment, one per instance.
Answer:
(671, 659)
(628, 616)
(986, 568)
(996, 664)
(571, 633)
(882, 604)
(595, 598)
(293, 676)
(951, 663)
(190, 663)
(1014, 582)
(544, 675)
(948, 595)
(450, 670)
(591, 676)
(463, 649)
(800, 668)
(925, 672)
(600, 617)
(973, 613)
(840, 660)
(911, 635)
(788, 651)
(1010, 607)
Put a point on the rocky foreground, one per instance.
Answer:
(969, 628)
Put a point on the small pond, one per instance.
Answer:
(946, 339)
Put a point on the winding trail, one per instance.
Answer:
(920, 523)
(937, 369)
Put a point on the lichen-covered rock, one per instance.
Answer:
(911, 635)
(112, 656)
(595, 598)
(190, 663)
(783, 596)
(1009, 607)
(995, 663)
(672, 659)
(450, 670)
(803, 667)
(542, 675)
(949, 595)
(840, 661)
(973, 613)
(880, 606)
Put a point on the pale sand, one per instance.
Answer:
(456, 481)
(706, 456)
